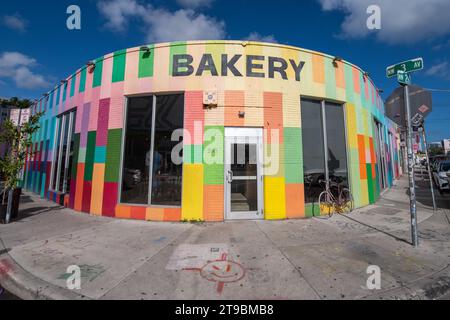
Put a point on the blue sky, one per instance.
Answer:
(37, 49)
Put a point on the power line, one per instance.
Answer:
(438, 90)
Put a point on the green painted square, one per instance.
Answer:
(348, 74)
(82, 155)
(119, 61)
(65, 91)
(72, 85)
(146, 63)
(370, 185)
(98, 72)
(113, 149)
(294, 173)
(312, 210)
(82, 80)
(90, 154)
(293, 152)
(176, 48)
(213, 174)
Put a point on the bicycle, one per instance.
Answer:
(335, 199)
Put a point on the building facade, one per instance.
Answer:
(211, 131)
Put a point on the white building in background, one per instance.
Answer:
(446, 146)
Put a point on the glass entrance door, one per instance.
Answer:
(243, 173)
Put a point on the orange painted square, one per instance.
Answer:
(123, 212)
(318, 68)
(295, 201)
(234, 103)
(213, 203)
(154, 214)
(273, 115)
(138, 213)
(372, 151)
(361, 149)
(362, 171)
(66, 200)
(172, 214)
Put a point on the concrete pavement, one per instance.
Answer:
(296, 259)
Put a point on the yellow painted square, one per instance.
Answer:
(274, 198)
(192, 202)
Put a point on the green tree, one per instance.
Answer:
(435, 151)
(18, 140)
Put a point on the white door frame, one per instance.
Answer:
(243, 135)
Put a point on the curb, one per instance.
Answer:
(26, 286)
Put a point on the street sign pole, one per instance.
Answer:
(424, 137)
(412, 187)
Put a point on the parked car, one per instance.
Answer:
(440, 175)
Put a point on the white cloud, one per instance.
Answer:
(17, 67)
(402, 21)
(441, 70)
(117, 12)
(15, 22)
(195, 3)
(160, 24)
(255, 36)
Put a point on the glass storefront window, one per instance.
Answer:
(147, 157)
(336, 144)
(136, 156)
(323, 128)
(313, 149)
(63, 153)
(166, 176)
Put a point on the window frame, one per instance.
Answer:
(343, 105)
(152, 146)
(57, 158)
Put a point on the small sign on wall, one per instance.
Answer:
(210, 99)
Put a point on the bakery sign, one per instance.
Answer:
(255, 66)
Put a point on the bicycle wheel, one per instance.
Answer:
(326, 203)
(345, 201)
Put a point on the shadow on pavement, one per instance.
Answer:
(377, 229)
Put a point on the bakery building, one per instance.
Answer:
(211, 131)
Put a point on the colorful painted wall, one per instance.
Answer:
(268, 102)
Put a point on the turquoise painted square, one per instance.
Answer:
(100, 155)
(193, 154)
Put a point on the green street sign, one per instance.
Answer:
(403, 77)
(406, 66)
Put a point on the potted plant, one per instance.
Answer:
(18, 140)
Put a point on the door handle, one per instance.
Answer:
(229, 176)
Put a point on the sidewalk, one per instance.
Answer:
(296, 259)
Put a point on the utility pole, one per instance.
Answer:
(412, 184)
(402, 71)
